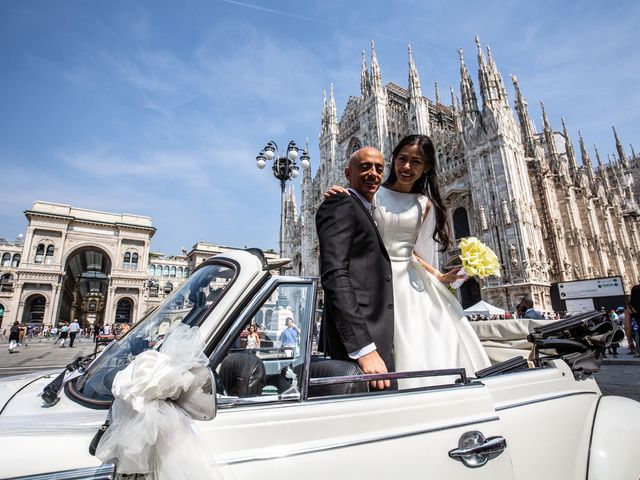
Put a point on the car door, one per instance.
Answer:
(410, 434)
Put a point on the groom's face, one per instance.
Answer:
(364, 171)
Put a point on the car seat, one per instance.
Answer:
(242, 375)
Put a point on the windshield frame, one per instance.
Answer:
(71, 387)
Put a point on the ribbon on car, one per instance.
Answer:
(149, 434)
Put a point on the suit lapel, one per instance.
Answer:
(373, 224)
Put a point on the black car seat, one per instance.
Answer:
(321, 367)
(242, 375)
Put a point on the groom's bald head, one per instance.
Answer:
(364, 171)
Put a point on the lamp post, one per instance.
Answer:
(284, 169)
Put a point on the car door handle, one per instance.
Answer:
(474, 450)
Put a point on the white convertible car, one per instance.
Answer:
(285, 412)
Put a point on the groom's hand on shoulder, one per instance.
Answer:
(373, 363)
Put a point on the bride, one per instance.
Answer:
(430, 328)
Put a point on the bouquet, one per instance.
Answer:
(478, 260)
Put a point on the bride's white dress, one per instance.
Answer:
(431, 330)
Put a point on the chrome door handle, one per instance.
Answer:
(474, 450)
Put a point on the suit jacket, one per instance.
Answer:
(356, 279)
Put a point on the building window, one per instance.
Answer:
(6, 283)
(168, 288)
(186, 272)
(6, 260)
(152, 270)
(172, 272)
(461, 223)
(16, 260)
(48, 258)
(180, 272)
(40, 253)
(165, 271)
(130, 261)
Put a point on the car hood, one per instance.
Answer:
(28, 426)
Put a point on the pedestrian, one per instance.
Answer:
(21, 333)
(632, 315)
(96, 332)
(614, 319)
(14, 337)
(64, 332)
(107, 329)
(73, 331)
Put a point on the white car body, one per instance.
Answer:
(555, 427)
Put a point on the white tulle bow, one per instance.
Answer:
(150, 435)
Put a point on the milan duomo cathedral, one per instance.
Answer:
(549, 216)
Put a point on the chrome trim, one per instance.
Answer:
(306, 369)
(106, 471)
(540, 400)
(364, 441)
(354, 397)
(391, 376)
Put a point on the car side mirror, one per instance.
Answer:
(199, 401)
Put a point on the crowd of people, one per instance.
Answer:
(63, 335)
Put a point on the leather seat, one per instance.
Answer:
(243, 375)
(321, 367)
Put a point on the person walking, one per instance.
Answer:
(14, 337)
(631, 317)
(64, 332)
(74, 328)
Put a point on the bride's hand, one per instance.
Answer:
(450, 276)
(335, 190)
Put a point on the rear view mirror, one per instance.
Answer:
(199, 401)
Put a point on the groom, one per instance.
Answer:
(356, 272)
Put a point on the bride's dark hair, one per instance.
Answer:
(427, 184)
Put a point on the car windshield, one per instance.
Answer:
(188, 304)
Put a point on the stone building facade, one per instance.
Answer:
(548, 216)
(97, 267)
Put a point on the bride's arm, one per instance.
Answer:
(446, 278)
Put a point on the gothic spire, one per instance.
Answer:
(602, 173)
(376, 77)
(365, 81)
(633, 153)
(621, 156)
(548, 132)
(483, 75)
(571, 153)
(332, 110)
(586, 160)
(323, 122)
(415, 90)
(437, 92)
(527, 126)
(453, 98)
(469, 100)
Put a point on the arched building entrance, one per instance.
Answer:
(124, 310)
(84, 290)
(34, 308)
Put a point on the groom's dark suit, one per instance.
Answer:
(357, 281)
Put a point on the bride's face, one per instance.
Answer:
(409, 166)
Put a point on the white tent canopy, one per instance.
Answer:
(483, 308)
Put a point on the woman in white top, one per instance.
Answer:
(253, 339)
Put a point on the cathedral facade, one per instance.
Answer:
(549, 216)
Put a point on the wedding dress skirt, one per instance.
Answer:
(430, 329)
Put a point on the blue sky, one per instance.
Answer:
(159, 107)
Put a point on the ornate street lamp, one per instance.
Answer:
(284, 169)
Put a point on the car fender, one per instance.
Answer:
(614, 440)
